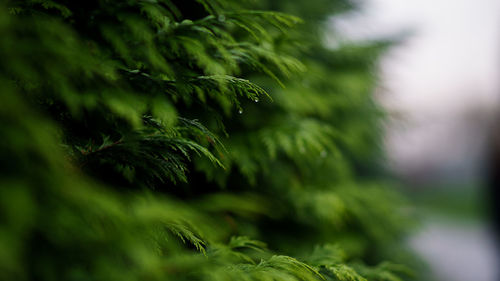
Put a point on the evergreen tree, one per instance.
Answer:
(190, 140)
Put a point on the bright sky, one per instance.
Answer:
(443, 80)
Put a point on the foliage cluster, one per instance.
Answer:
(190, 140)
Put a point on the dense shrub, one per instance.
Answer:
(190, 140)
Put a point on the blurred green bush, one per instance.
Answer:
(190, 140)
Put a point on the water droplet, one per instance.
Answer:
(323, 154)
(256, 99)
(240, 111)
(221, 18)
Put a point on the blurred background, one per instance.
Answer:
(440, 85)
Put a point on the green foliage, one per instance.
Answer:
(189, 140)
